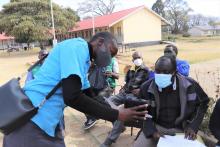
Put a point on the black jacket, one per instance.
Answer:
(134, 78)
(193, 102)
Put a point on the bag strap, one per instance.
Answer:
(53, 90)
(50, 94)
(33, 66)
(38, 62)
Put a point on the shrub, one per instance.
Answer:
(172, 38)
(205, 123)
(186, 35)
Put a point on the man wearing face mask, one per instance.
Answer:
(177, 104)
(181, 65)
(67, 64)
(130, 90)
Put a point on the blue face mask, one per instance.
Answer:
(163, 80)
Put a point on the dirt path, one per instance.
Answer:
(208, 75)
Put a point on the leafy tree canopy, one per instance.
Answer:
(30, 20)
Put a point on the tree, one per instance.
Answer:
(30, 20)
(158, 7)
(200, 20)
(177, 13)
(212, 22)
(197, 20)
(98, 7)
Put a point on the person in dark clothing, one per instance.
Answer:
(68, 62)
(99, 78)
(177, 104)
(130, 90)
(182, 66)
(214, 124)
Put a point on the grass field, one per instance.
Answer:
(194, 50)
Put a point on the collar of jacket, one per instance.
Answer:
(141, 67)
(183, 86)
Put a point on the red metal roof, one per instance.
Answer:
(103, 21)
(4, 37)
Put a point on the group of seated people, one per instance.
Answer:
(177, 103)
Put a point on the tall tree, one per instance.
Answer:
(158, 7)
(197, 20)
(98, 7)
(213, 23)
(177, 13)
(200, 20)
(30, 20)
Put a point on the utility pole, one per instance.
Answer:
(53, 28)
(93, 21)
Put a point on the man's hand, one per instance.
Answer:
(157, 135)
(190, 134)
(132, 114)
(135, 92)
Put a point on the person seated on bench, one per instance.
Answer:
(177, 104)
(130, 90)
(182, 66)
(214, 123)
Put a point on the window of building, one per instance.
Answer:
(87, 35)
(112, 30)
(82, 34)
(119, 31)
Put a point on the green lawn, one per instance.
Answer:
(193, 49)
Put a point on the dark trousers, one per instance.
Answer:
(142, 141)
(96, 92)
(30, 135)
(118, 126)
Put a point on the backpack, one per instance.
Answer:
(97, 78)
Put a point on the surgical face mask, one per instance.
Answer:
(163, 80)
(138, 62)
(102, 57)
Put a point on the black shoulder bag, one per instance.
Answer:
(16, 108)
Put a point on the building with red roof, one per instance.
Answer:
(134, 25)
(5, 41)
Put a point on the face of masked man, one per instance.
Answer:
(137, 59)
(104, 47)
(165, 70)
(102, 56)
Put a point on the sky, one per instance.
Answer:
(204, 7)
